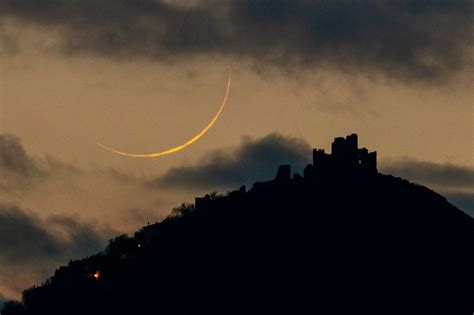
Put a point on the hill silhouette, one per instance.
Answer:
(342, 239)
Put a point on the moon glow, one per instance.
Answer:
(180, 147)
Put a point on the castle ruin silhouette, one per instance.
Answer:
(346, 158)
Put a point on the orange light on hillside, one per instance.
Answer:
(96, 275)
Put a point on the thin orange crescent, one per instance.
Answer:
(180, 147)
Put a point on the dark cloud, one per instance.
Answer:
(428, 173)
(257, 160)
(13, 157)
(15, 161)
(462, 200)
(404, 39)
(253, 160)
(18, 170)
(21, 171)
(3, 299)
(8, 43)
(450, 180)
(26, 238)
(32, 247)
(61, 185)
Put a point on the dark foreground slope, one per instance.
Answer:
(367, 244)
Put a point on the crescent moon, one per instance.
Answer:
(180, 147)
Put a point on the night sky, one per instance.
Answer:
(144, 76)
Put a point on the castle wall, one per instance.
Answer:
(345, 156)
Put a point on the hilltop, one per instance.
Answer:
(341, 239)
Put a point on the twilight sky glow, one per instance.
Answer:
(146, 75)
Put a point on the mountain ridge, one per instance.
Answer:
(341, 239)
